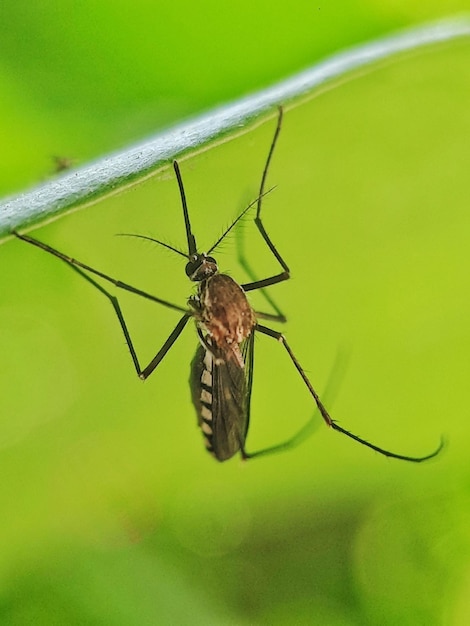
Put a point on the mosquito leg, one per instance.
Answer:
(280, 337)
(311, 426)
(271, 280)
(271, 317)
(77, 267)
(78, 264)
(279, 315)
(175, 333)
(301, 435)
(285, 274)
(145, 373)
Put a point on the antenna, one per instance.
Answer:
(226, 232)
(161, 243)
(192, 248)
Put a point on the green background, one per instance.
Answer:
(111, 511)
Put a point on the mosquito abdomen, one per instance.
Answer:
(218, 394)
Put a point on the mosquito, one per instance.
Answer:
(221, 373)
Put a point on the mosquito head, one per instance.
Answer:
(201, 266)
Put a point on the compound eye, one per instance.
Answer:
(192, 266)
(210, 259)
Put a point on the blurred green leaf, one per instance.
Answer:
(424, 548)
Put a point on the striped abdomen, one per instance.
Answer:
(218, 389)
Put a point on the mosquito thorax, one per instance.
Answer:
(200, 267)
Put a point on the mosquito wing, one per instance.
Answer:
(221, 394)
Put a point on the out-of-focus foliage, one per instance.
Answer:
(112, 513)
(78, 79)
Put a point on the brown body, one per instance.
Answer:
(220, 382)
(224, 313)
